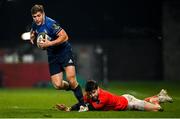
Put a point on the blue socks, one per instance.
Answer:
(79, 95)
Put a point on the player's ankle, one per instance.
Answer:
(68, 88)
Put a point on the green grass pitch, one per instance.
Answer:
(39, 103)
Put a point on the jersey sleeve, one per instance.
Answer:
(54, 27)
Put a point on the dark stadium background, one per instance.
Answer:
(129, 39)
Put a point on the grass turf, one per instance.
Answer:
(39, 103)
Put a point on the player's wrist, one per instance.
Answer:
(50, 43)
(67, 109)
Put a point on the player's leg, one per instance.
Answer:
(154, 99)
(58, 82)
(69, 67)
(161, 97)
(71, 76)
(76, 88)
(152, 106)
(57, 75)
(137, 104)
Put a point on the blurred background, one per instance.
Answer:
(126, 40)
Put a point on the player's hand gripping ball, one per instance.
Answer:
(40, 39)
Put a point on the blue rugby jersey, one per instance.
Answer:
(52, 28)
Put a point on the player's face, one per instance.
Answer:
(93, 95)
(38, 18)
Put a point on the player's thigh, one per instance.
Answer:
(55, 70)
(70, 71)
(57, 79)
(55, 66)
(71, 75)
(69, 67)
(134, 103)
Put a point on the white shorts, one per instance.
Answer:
(134, 103)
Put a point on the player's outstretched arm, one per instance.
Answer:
(63, 107)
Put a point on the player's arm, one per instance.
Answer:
(61, 37)
(32, 36)
(86, 101)
(32, 33)
(77, 107)
(63, 107)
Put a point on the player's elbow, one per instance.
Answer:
(66, 37)
(58, 86)
(63, 34)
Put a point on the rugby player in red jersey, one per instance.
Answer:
(99, 99)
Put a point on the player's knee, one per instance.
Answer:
(73, 83)
(57, 81)
(71, 77)
(58, 86)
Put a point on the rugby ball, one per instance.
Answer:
(40, 38)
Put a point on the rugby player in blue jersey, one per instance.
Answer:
(59, 51)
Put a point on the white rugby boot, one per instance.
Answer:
(83, 109)
(164, 97)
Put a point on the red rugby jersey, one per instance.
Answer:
(108, 101)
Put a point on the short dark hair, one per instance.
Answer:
(91, 85)
(37, 8)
